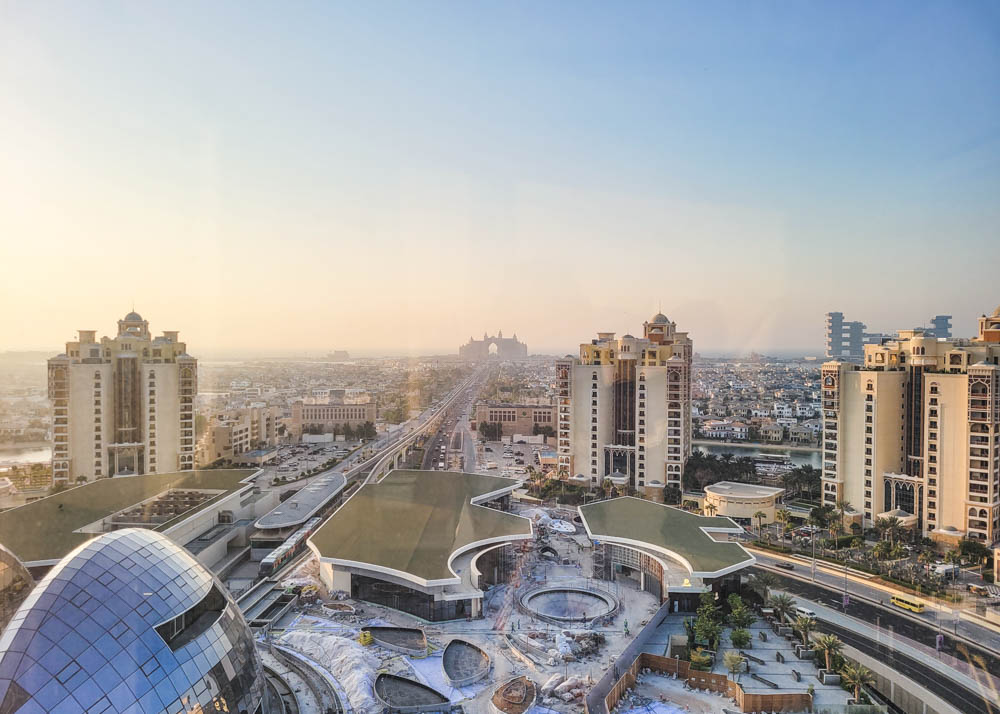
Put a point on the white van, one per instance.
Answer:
(804, 612)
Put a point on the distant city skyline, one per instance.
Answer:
(394, 178)
(965, 326)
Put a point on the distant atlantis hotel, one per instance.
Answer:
(498, 347)
(122, 404)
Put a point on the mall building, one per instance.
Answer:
(666, 551)
(423, 542)
(130, 622)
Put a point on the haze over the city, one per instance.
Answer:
(398, 177)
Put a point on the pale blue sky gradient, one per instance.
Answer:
(397, 176)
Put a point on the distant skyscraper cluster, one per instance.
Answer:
(914, 432)
(122, 404)
(846, 339)
(625, 408)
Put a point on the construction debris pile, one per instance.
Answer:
(566, 689)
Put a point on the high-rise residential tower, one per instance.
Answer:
(122, 405)
(624, 409)
(914, 431)
(846, 339)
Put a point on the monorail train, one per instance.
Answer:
(285, 552)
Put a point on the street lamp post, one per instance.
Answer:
(813, 534)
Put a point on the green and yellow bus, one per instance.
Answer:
(907, 604)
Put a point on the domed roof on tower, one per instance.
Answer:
(659, 319)
(133, 317)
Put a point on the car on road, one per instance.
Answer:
(785, 566)
(804, 612)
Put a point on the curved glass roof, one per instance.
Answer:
(129, 622)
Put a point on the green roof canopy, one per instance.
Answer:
(413, 522)
(672, 531)
(43, 530)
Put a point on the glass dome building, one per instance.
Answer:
(129, 622)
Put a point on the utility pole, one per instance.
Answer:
(813, 534)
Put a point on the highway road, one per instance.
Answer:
(455, 435)
(960, 673)
(936, 618)
(963, 699)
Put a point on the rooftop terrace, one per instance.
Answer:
(45, 530)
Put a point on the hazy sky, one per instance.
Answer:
(385, 177)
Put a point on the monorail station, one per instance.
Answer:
(201, 510)
(423, 542)
(666, 551)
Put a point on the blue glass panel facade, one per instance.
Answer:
(84, 640)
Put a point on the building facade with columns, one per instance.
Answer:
(624, 409)
(122, 404)
(914, 431)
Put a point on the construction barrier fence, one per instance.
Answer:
(720, 683)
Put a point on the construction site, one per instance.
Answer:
(542, 640)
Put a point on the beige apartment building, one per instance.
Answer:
(122, 404)
(516, 418)
(328, 415)
(624, 409)
(915, 430)
(239, 431)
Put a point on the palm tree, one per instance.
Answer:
(784, 517)
(760, 516)
(888, 527)
(782, 604)
(857, 676)
(710, 509)
(608, 487)
(842, 506)
(838, 530)
(894, 528)
(805, 626)
(537, 479)
(828, 645)
(762, 582)
(734, 662)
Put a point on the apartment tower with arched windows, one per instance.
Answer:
(122, 404)
(914, 432)
(624, 409)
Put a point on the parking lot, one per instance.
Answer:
(509, 459)
(294, 460)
